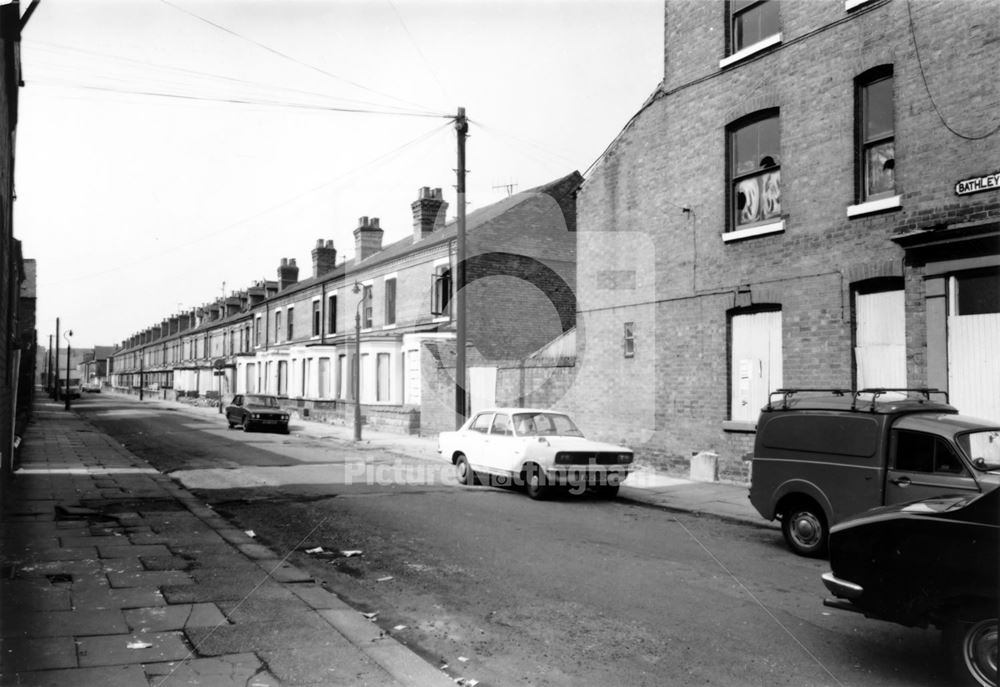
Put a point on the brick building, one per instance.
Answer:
(810, 198)
(296, 338)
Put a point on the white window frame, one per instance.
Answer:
(385, 280)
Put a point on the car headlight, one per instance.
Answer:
(284, 418)
(563, 458)
(255, 416)
(624, 457)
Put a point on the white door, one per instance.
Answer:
(756, 362)
(482, 388)
(411, 374)
(881, 340)
(974, 364)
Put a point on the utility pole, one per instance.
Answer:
(55, 389)
(69, 333)
(48, 369)
(462, 129)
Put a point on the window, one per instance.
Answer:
(331, 315)
(876, 131)
(755, 171)
(317, 318)
(366, 296)
(324, 377)
(277, 326)
(382, 377)
(916, 452)
(481, 423)
(750, 22)
(441, 290)
(755, 363)
(975, 292)
(390, 301)
(629, 340)
(502, 425)
(880, 337)
(291, 324)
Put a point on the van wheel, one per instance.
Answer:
(804, 527)
(464, 471)
(970, 640)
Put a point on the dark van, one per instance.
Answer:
(824, 454)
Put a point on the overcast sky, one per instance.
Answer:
(168, 147)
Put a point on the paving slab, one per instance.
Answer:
(174, 617)
(108, 676)
(135, 648)
(317, 597)
(97, 598)
(62, 623)
(231, 670)
(325, 663)
(148, 578)
(282, 571)
(123, 549)
(36, 653)
(256, 636)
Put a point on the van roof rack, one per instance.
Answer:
(924, 393)
(857, 403)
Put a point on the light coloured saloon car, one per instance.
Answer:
(540, 450)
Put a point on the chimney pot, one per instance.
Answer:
(324, 257)
(429, 211)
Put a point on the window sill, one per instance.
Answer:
(852, 4)
(750, 50)
(444, 318)
(757, 230)
(873, 206)
(388, 326)
(739, 426)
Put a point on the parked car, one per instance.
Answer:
(250, 411)
(91, 387)
(823, 455)
(539, 449)
(931, 562)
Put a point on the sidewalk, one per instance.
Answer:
(111, 575)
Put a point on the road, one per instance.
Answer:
(509, 591)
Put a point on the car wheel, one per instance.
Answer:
(970, 640)
(246, 425)
(535, 483)
(466, 475)
(805, 529)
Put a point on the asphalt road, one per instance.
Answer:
(509, 591)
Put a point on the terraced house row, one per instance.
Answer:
(296, 338)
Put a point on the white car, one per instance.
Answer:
(540, 449)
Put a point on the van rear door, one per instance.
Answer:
(923, 465)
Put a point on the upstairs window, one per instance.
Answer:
(277, 326)
(629, 340)
(441, 290)
(291, 324)
(317, 318)
(390, 301)
(331, 315)
(754, 151)
(750, 22)
(366, 296)
(876, 136)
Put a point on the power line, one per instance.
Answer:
(235, 101)
(194, 72)
(286, 56)
(416, 46)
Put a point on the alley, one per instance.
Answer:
(510, 591)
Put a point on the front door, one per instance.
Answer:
(924, 465)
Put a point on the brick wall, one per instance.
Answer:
(644, 259)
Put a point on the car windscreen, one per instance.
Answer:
(982, 447)
(265, 401)
(545, 424)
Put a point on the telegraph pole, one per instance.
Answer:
(55, 389)
(462, 129)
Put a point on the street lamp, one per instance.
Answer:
(357, 361)
(69, 333)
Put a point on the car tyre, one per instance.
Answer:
(536, 483)
(804, 526)
(970, 641)
(466, 475)
(246, 425)
(608, 491)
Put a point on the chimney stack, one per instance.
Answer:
(428, 212)
(288, 274)
(324, 257)
(367, 238)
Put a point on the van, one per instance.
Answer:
(821, 455)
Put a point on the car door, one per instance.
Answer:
(473, 440)
(235, 411)
(500, 452)
(923, 465)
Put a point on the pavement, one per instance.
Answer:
(114, 575)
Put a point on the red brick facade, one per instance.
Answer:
(653, 220)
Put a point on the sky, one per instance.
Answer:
(170, 151)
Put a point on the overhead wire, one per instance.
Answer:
(285, 56)
(416, 47)
(287, 201)
(55, 47)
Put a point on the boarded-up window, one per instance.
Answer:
(382, 372)
(880, 350)
(324, 377)
(756, 362)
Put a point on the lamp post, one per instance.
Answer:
(69, 333)
(357, 362)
